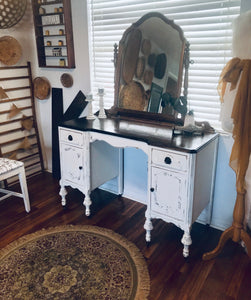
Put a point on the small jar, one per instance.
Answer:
(60, 43)
(56, 10)
(48, 43)
(56, 51)
(60, 9)
(41, 10)
(47, 32)
(61, 31)
(62, 62)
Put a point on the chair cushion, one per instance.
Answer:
(7, 165)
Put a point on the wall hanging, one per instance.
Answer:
(66, 80)
(42, 88)
(10, 50)
(11, 12)
(19, 137)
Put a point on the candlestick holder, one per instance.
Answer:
(101, 114)
(90, 115)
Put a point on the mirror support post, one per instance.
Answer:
(186, 63)
(115, 54)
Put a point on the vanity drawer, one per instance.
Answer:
(170, 160)
(71, 137)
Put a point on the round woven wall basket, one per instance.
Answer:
(10, 50)
(66, 80)
(42, 88)
(11, 12)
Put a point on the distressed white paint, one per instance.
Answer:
(179, 185)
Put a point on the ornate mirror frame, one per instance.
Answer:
(133, 36)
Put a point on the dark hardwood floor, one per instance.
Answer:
(172, 277)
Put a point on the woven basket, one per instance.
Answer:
(10, 50)
(11, 12)
(42, 88)
(66, 80)
(131, 55)
(132, 96)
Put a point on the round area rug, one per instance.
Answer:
(73, 262)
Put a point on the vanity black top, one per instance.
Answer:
(160, 135)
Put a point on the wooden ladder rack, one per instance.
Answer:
(16, 81)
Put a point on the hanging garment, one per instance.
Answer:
(241, 113)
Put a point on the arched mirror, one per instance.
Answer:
(149, 67)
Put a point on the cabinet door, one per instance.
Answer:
(71, 163)
(169, 197)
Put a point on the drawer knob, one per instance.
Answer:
(152, 189)
(168, 160)
(80, 167)
(70, 138)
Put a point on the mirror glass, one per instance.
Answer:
(149, 68)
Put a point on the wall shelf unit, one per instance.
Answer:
(54, 34)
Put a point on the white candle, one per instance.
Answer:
(100, 90)
(90, 113)
(101, 114)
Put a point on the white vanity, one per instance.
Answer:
(148, 105)
(180, 168)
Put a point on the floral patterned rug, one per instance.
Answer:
(73, 262)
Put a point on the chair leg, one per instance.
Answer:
(23, 183)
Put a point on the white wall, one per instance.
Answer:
(135, 163)
(225, 192)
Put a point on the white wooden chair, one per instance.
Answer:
(9, 168)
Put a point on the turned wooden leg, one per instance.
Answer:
(62, 193)
(87, 203)
(238, 216)
(148, 226)
(186, 241)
